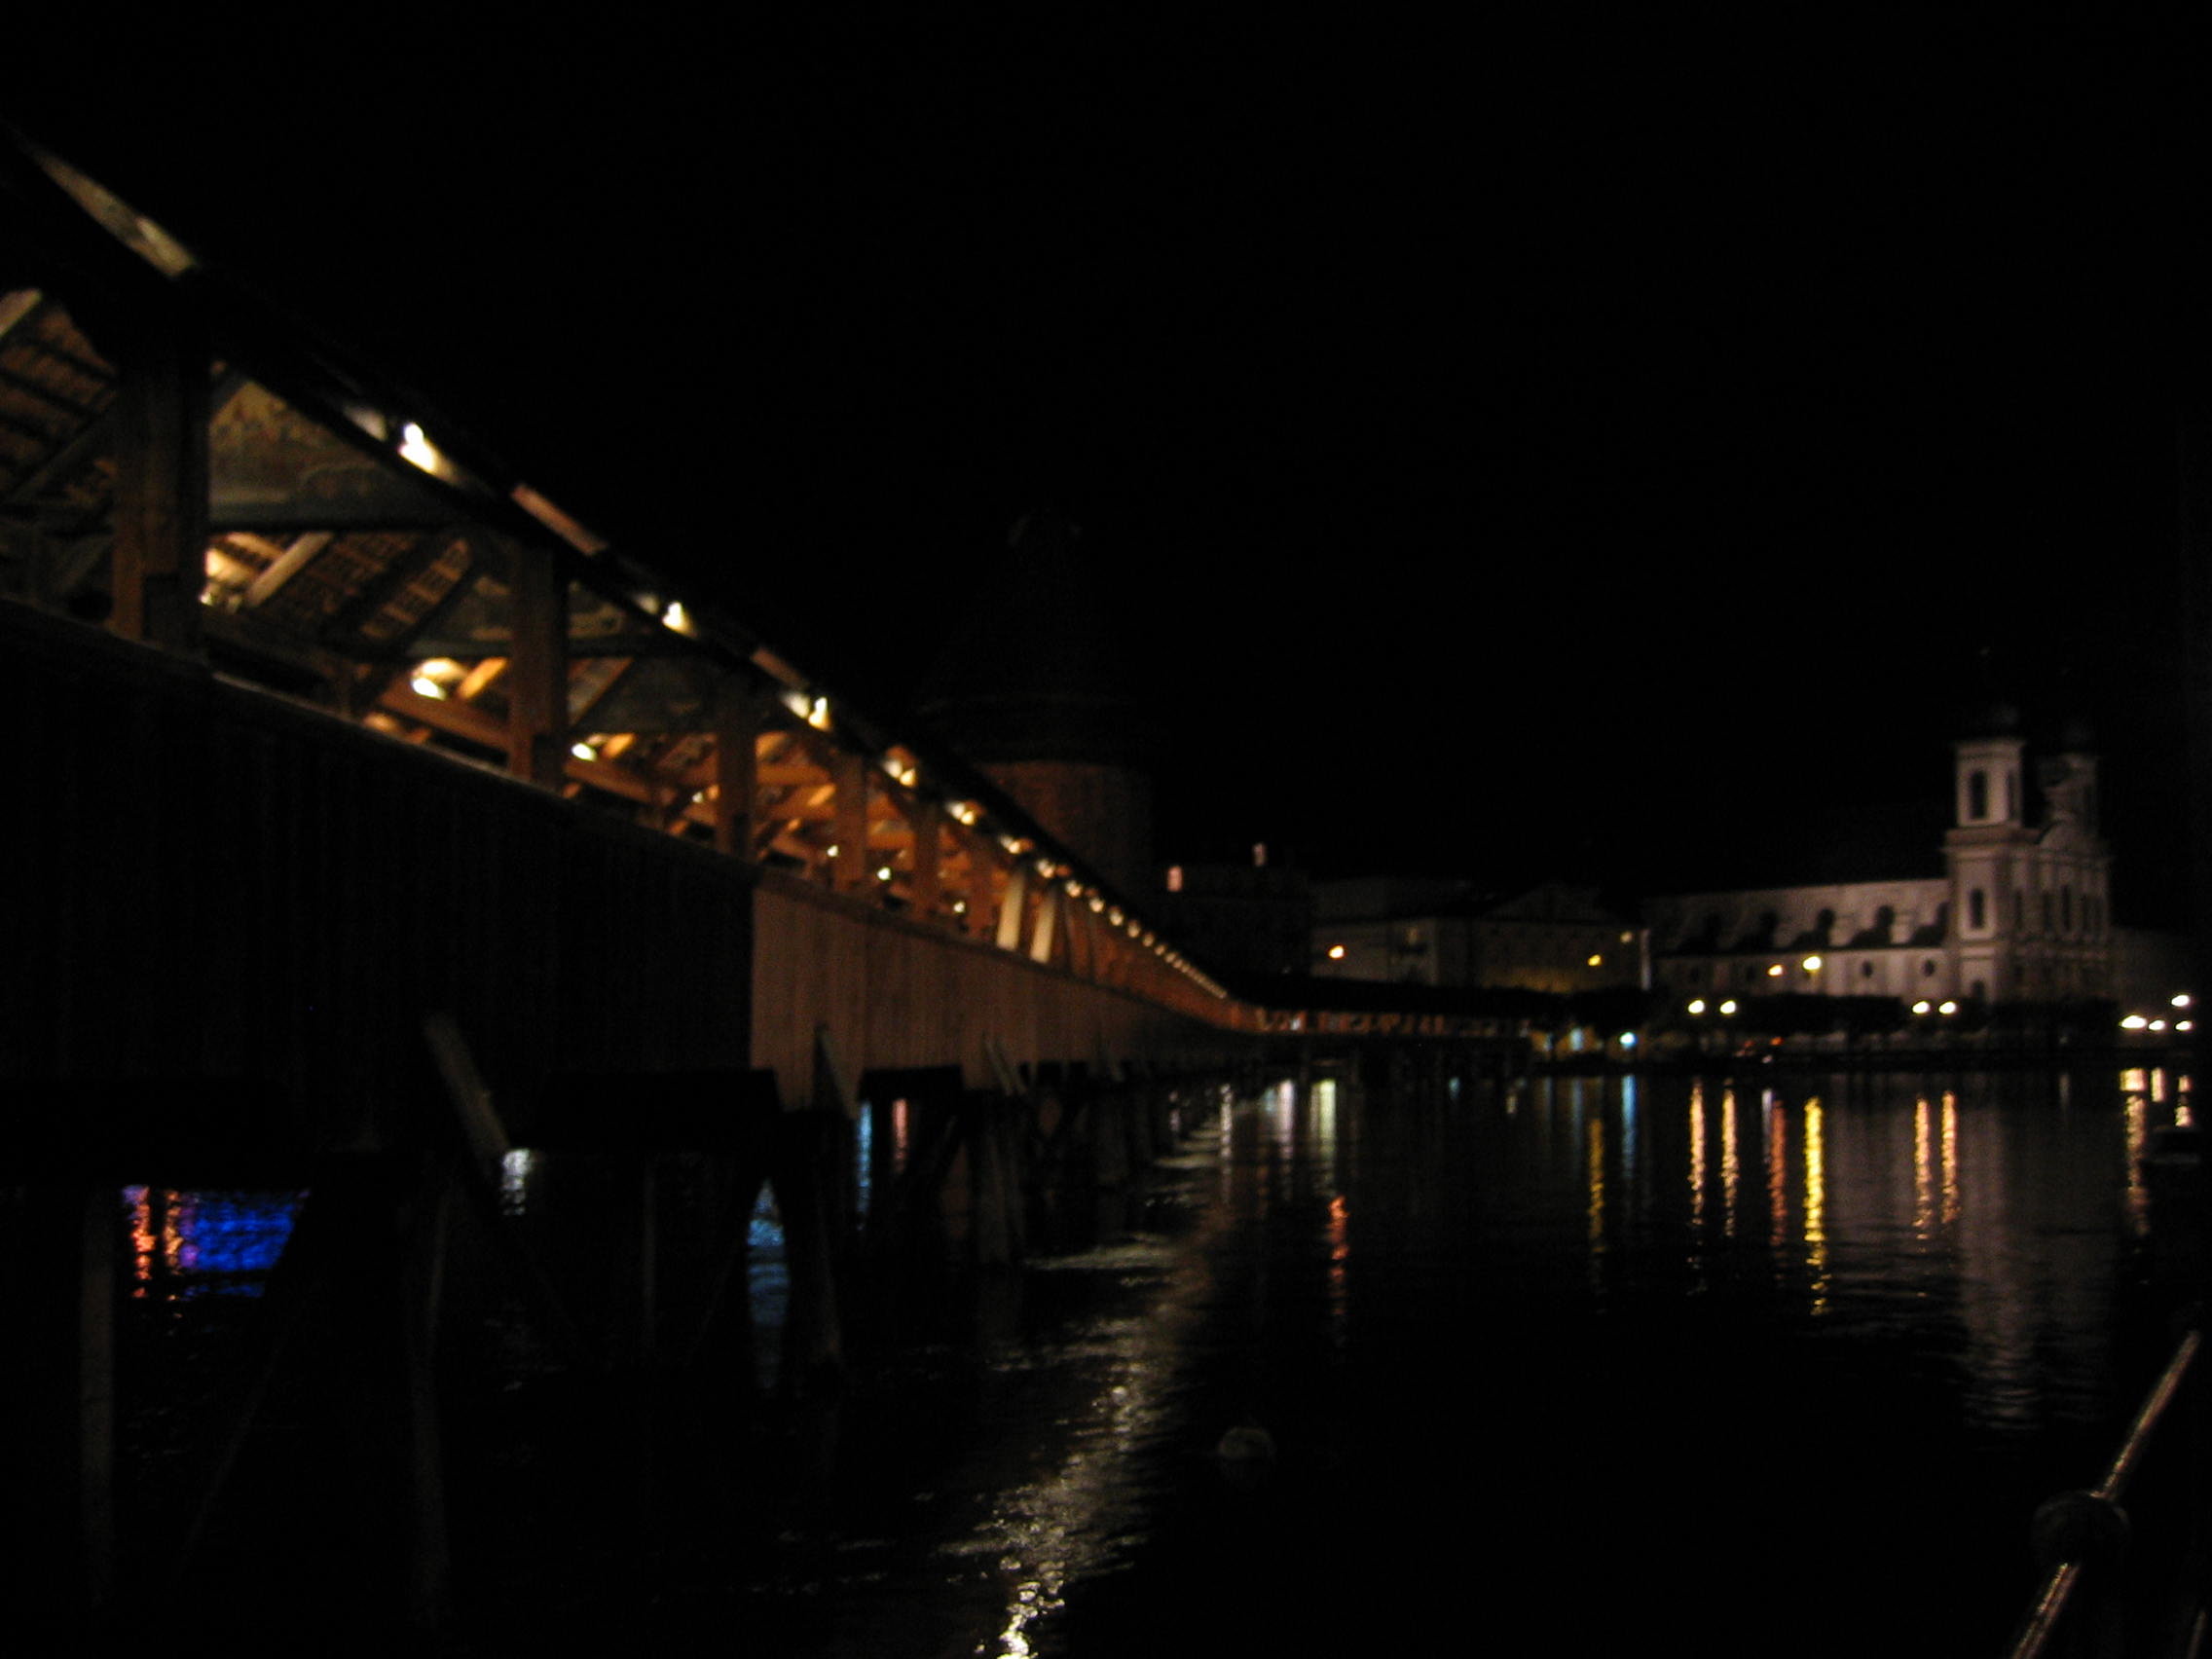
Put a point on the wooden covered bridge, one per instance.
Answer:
(334, 733)
(333, 721)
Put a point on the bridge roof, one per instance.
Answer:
(363, 551)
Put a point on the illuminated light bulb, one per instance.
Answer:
(1774, 970)
(818, 717)
(583, 752)
(675, 618)
(960, 907)
(2185, 1025)
(2181, 1001)
(1697, 1005)
(832, 852)
(2158, 1025)
(1920, 1007)
(883, 873)
(1728, 1007)
(1947, 1008)
(424, 686)
(1812, 964)
(1336, 953)
(2133, 1022)
(416, 448)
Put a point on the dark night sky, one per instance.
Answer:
(1507, 451)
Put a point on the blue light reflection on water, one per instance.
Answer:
(187, 1243)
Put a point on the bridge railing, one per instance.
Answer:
(2106, 1592)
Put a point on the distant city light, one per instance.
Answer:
(1595, 960)
(1336, 953)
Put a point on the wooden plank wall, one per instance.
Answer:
(897, 994)
(204, 881)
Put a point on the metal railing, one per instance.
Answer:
(2093, 1602)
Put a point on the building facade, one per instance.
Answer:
(1554, 936)
(2020, 910)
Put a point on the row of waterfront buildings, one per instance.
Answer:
(2009, 901)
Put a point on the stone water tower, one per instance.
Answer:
(1035, 689)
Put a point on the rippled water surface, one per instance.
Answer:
(1582, 1366)
(1614, 1361)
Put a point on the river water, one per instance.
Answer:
(1570, 1366)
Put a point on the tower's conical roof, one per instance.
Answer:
(1037, 671)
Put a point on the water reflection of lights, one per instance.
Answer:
(1777, 1169)
(1731, 1163)
(1628, 1133)
(1324, 1095)
(1697, 1158)
(1816, 1206)
(1078, 1521)
(1923, 1170)
(1950, 1158)
(1340, 1261)
(1595, 1140)
(2136, 1111)
(186, 1243)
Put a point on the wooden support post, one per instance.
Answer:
(1048, 915)
(538, 669)
(927, 823)
(737, 729)
(849, 870)
(812, 1342)
(982, 897)
(161, 485)
(1011, 906)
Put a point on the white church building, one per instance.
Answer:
(2020, 912)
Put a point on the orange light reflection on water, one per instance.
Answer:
(1816, 1205)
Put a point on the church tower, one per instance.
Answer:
(2030, 893)
(1988, 850)
(1035, 691)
